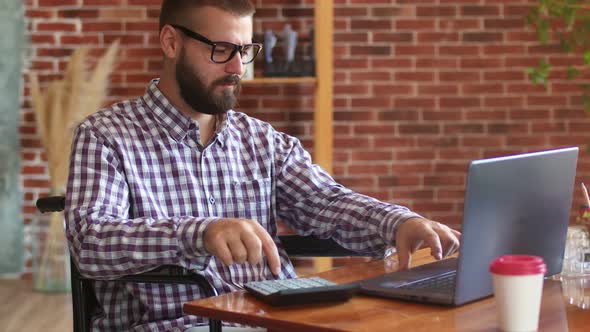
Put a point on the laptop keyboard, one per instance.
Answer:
(444, 282)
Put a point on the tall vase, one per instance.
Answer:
(51, 259)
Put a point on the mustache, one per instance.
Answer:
(230, 79)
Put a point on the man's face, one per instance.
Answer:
(203, 97)
(209, 87)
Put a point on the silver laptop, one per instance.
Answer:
(513, 205)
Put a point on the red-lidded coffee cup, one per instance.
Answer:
(518, 286)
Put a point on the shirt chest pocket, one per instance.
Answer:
(251, 198)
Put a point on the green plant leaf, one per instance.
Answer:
(543, 31)
(572, 72)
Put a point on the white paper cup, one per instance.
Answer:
(518, 286)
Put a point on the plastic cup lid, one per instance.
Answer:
(518, 265)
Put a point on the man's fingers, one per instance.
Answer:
(433, 242)
(403, 254)
(221, 250)
(450, 241)
(253, 247)
(270, 250)
(239, 252)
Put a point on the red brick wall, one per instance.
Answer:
(421, 88)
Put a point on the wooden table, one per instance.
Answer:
(363, 313)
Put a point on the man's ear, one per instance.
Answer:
(170, 41)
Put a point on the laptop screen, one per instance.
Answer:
(514, 205)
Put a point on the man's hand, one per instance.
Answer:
(442, 240)
(241, 240)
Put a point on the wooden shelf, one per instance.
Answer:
(278, 80)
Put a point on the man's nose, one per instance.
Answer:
(235, 66)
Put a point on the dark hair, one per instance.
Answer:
(173, 11)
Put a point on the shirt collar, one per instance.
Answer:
(174, 121)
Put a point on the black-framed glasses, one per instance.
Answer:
(222, 52)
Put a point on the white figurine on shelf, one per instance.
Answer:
(270, 40)
(289, 43)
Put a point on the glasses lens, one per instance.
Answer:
(249, 52)
(222, 52)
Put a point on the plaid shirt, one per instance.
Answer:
(142, 189)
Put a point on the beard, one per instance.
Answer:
(202, 98)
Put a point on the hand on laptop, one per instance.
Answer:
(412, 233)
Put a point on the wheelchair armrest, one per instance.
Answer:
(51, 204)
(171, 274)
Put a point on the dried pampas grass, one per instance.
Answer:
(57, 111)
(65, 103)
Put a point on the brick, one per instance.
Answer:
(481, 63)
(459, 50)
(409, 129)
(442, 115)
(415, 76)
(142, 26)
(463, 76)
(482, 37)
(497, 101)
(119, 13)
(502, 24)
(351, 63)
(504, 76)
(436, 11)
(459, 102)
(396, 142)
(371, 50)
(468, 128)
(351, 90)
(101, 26)
(373, 102)
(414, 25)
(418, 154)
(144, 2)
(78, 13)
(399, 115)
(55, 3)
(297, 12)
(482, 88)
(438, 63)
(39, 13)
(103, 2)
(347, 12)
(506, 128)
(396, 62)
(79, 40)
(402, 50)
(438, 90)
(504, 49)
(480, 10)
(56, 27)
(340, 37)
(438, 37)
(516, 10)
(377, 130)
(375, 24)
(398, 37)
(460, 24)
(370, 76)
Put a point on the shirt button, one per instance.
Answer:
(212, 200)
